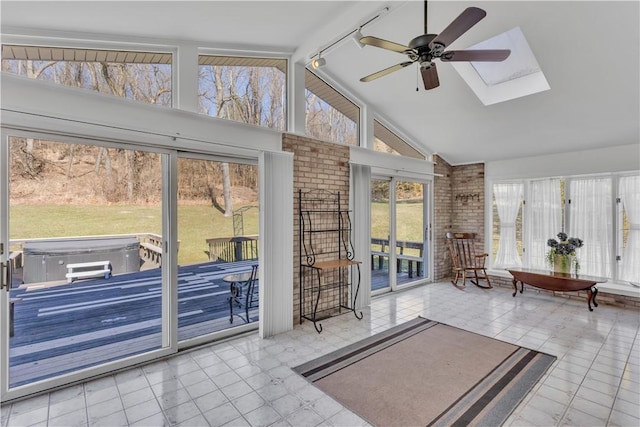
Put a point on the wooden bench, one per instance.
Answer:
(411, 259)
(383, 253)
(83, 270)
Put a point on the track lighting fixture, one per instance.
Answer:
(356, 38)
(318, 62)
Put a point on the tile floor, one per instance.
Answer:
(247, 381)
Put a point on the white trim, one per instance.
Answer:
(384, 164)
(39, 105)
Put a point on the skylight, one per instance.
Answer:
(517, 76)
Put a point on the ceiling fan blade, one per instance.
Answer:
(386, 71)
(384, 44)
(495, 55)
(430, 77)
(467, 19)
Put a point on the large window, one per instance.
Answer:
(387, 141)
(330, 116)
(142, 76)
(628, 235)
(247, 90)
(601, 210)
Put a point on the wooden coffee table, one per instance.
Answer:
(552, 281)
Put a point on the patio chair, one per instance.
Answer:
(244, 294)
(466, 260)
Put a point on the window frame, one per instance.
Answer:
(89, 46)
(327, 87)
(244, 56)
(614, 229)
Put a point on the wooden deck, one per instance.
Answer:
(60, 327)
(65, 327)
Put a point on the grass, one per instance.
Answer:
(408, 218)
(196, 223)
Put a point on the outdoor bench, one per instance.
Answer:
(83, 270)
(411, 259)
(381, 254)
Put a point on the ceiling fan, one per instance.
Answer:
(427, 47)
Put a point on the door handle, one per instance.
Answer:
(5, 280)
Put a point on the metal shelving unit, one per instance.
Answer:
(329, 275)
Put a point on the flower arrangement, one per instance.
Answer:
(565, 247)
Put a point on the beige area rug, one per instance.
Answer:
(426, 373)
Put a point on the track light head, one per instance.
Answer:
(318, 62)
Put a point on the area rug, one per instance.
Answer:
(424, 373)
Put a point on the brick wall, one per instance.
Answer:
(324, 165)
(316, 165)
(467, 205)
(442, 221)
(458, 206)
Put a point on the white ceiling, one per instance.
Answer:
(589, 52)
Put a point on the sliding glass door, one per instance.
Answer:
(83, 259)
(218, 246)
(399, 233)
(380, 234)
(411, 241)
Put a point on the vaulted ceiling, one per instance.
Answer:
(589, 52)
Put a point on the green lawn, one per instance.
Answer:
(196, 223)
(409, 222)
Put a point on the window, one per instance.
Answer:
(544, 220)
(330, 116)
(517, 76)
(628, 253)
(388, 142)
(507, 199)
(247, 90)
(142, 76)
(582, 207)
(590, 219)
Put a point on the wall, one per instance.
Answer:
(454, 210)
(316, 165)
(442, 221)
(603, 160)
(467, 204)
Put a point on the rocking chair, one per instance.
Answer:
(465, 259)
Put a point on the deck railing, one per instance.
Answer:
(232, 249)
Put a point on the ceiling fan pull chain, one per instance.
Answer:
(417, 80)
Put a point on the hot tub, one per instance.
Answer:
(47, 260)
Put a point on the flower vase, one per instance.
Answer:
(562, 263)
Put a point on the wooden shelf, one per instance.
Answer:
(335, 263)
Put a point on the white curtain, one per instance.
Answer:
(508, 197)
(544, 220)
(590, 219)
(630, 196)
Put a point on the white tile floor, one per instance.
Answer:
(248, 381)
